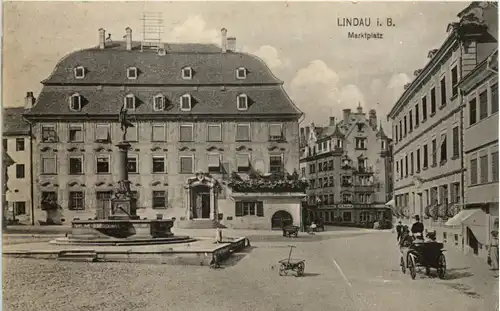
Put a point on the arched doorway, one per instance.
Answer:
(279, 218)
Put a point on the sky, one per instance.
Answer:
(323, 70)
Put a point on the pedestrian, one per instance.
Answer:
(399, 230)
(493, 250)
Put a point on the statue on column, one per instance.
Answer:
(124, 122)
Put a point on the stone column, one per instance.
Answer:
(187, 192)
(122, 160)
(212, 204)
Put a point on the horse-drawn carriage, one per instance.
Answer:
(289, 231)
(423, 254)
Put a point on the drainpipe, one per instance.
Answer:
(461, 102)
(32, 190)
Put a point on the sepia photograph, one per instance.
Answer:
(250, 155)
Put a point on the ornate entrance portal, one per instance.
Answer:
(201, 197)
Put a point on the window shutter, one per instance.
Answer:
(275, 130)
(260, 208)
(101, 132)
(242, 160)
(158, 132)
(213, 160)
(239, 209)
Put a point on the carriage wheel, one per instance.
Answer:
(300, 269)
(441, 270)
(411, 266)
(402, 264)
(295, 234)
(282, 270)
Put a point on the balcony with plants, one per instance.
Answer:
(278, 182)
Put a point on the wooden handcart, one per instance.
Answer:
(289, 264)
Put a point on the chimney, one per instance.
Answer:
(128, 38)
(359, 109)
(332, 121)
(372, 118)
(29, 100)
(347, 113)
(102, 38)
(231, 44)
(223, 45)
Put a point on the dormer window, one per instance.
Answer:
(241, 73)
(129, 102)
(242, 102)
(75, 102)
(132, 73)
(187, 73)
(80, 72)
(186, 102)
(159, 102)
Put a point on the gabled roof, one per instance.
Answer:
(13, 122)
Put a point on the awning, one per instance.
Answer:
(466, 216)
(390, 203)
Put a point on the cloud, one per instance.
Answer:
(194, 29)
(318, 92)
(271, 57)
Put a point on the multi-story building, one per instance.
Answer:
(348, 167)
(429, 170)
(202, 114)
(480, 96)
(17, 144)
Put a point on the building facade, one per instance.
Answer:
(428, 131)
(480, 91)
(348, 167)
(204, 118)
(17, 144)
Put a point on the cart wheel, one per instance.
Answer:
(402, 264)
(300, 269)
(441, 270)
(282, 270)
(411, 266)
(427, 271)
(295, 234)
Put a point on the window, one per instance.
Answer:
(132, 133)
(433, 101)
(443, 91)
(186, 102)
(102, 165)
(397, 167)
(214, 132)
(330, 165)
(158, 132)
(360, 127)
(249, 208)
(406, 126)
(346, 198)
(187, 73)
(48, 198)
(444, 153)
(410, 119)
(132, 73)
(275, 132)
(434, 152)
(129, 102)
(187, 164)
(494, 166)
(400, 130)
(49, 133)
(360, 143)
(160, 200)
(472, 112)
(159, 164)
(79, 72)
(75, 133)
(243, 132)
(312, 168)
(483, 105)
(484, 168)
(76, 200)
(76, 165)
(75, 102)
(418, 160)
(396, 133)
(330, 182)
(411, 163)
(243, 162)
(5, 144)
(455, 137)
(406, 165)
(19, 171)
(19, 144)
(454, 81)
(473, 171)
(49, 165)
(401, 166)
(424, 108)
(241, 73)
(320, 167)
(159, 103)
(276, 164)
(19, 208)
(132, 164)
(494, 98)
(417, 117)
(102, 132)
(214, 163)
(242, 102)
(455, 192)
(186, 132)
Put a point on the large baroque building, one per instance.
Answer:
(17, 144)
(348, 166)
(429, 132)
(202, 114)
